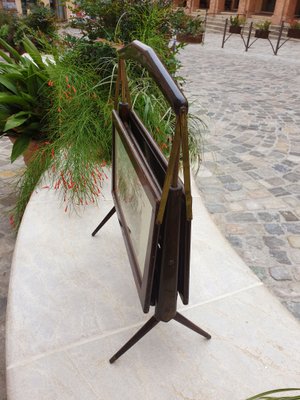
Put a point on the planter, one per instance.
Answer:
(262, 34)
(235, 29)
(186, 38)
(31, 149)
(293, 33)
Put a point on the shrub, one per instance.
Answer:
(41, 19)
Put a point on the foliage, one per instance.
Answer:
(237, 20)
(8, 25)
(263, 25)
(41, 19)
(79, 139)
(294, 24)
(39, 26)
(23, 90)
(123, 21)
(183, 23)
(266, 395)
(76, 96)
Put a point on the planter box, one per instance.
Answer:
(186, 38)
(261, 34)
(293, 33)
(235, 29)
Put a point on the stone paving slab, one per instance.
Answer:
(250, 174)
(73, 303)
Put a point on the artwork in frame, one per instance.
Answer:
(157, 163)
(136, 197)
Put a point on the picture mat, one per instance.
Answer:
(135, 204)
(143, 274)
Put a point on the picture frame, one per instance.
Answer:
(136, 197)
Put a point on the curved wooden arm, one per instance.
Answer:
(146, 56)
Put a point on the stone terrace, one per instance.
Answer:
(250, 174)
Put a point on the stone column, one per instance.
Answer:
(195, 5)
(284, 11)
(247, 7)
(216, 6)
(18, 6)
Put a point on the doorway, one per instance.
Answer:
(297, 11)
(231, 5)
(268, 6)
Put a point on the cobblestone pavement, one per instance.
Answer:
(8, 176)
(250, 176)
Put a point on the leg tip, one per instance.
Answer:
(113, 359)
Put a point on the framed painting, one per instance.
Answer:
(136, 197)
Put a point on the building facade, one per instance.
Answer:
(275, 10)
(60, 8)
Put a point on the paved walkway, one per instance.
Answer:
(250, 174)
(8, 174)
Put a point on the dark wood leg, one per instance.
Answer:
(186, 322)
(103, 222)
(142, 332)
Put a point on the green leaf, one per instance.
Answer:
(11, 50)
(16, 120)
(19, 147)
(6, 57)
(32, 81)
(13, 99)
(33, 52)
(262, 395)
(6, 82)
(15, 76)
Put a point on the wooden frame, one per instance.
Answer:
(158, 164)
(142, 265)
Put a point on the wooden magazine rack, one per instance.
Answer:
(153, 205)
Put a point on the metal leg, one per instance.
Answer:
(186, 322)
(142, 332)
(103, 222)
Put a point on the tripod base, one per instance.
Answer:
(153, 321)
(103, 222)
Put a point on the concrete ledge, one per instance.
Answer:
(73, 303)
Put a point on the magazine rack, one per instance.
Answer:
(153, 205)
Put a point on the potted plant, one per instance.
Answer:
(190, 29)
(294, 29)
(236, 24)
(23, 93)
(262, 29)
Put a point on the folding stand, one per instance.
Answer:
(154, 320)
(230, 34)
(248, 44)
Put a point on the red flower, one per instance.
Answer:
(50, 83)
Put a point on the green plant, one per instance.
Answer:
(263, 25)
(268, 395)
(8, 24)
(123, 21)
(186, 24)
(294, 24)
(42, 19)
(23, 97)
(4, 31)
(195, 26)
(237, 20)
